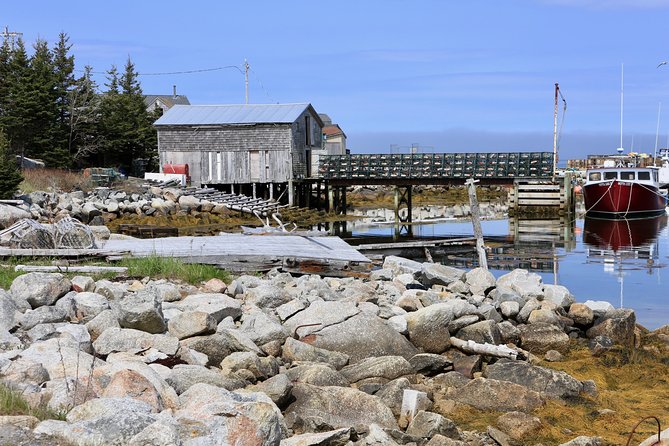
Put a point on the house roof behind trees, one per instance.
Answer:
(230, 114)
(167, 99)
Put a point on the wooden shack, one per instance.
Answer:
(248, 147)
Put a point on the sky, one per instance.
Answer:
(447, 75)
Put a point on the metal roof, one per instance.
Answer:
(232, 114)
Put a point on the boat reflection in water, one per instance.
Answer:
(623, 245)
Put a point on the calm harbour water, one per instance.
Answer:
(623, 262)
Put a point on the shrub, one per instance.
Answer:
(10, 175)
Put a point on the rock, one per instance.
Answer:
(261, 368)
(400, 265)
(559, 295)
(216, 346)
(261, 328)
(215, 286)
(427, 424)
(218, 305)
(130, 383)
(499, 437)
(377, 437)
(440, 440)
(508, 332)
(184, 376)
(165, 292)
(189, 202)
(11, 214)
(438, 274)
(392, 395)
(519, 425)
(294, 350)
(112, 291)
(191, 323)
(545, 316)
(509, 309)
(42, 315)
(61, 357)
(337, 407)
(467, 365)
(82, 284)
(101, 322)
(491, 394)
(389, 367)
(278, 388)
(584, 441)
(481, 332)
(141, 311)
(290, 308)
(553, 356)
(267, 296)
(320, 312)
(505, 294)
(337, 437)
(600, 345)
(581, 314)
(599, 307)
(87, 305)
(362, 336)
(550, 382)
(250, 419)
(385, 274)
(129, 340)
(9, 312)
(40, 288)
(619, 326)
(479, 280)
(317, 375)
(539, 338)
(449, 379)
(162, 432)
(527, 285)
(462, 322)
(430, 364)
(428, 327)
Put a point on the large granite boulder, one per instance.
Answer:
(40, 288)
(492, 394)
(540, 337)
(141, 311)
(540, 379)
(429, 326)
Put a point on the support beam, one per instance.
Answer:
(291, 193)
(476, 222)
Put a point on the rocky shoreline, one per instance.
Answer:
(283, 360)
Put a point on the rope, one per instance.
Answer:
(629, 201)
(600, 199)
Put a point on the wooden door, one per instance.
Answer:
(254, 165)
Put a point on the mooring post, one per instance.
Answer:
(476, 222)
(291, 193)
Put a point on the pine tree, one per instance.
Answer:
(10, 175)
(16, 116)
(84, 132)
(64, 82)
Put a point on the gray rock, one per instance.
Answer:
(112, 291)
(526, 284)
(9, 312)
(322, 314)
(165, 292)
(278, 388)
(457, 324)
(42, 315)
(317, 375)
(337, 407)
(40, 289)
(362, 336)
(509, 309)
(11, 214)
(619, 326)
(87, 305)
(479, 280)
(191, 323)
(261, 368)
(183, 377)
(430, 364)
(481, 332)
(392, 394)
(581, 314)
(428, 424)
(82, 284)
(550, 382)
(559, 295)
(290, 308)
(231, 418)
(428, 327)
(294, 350)
(101, 322)
(599, 307)
(141, 311)
(216, 346)
(600, 345)
(129, 340)
(539, 338)
(449, 379)
(267, 296)
(162, 432)
(337, 437)
(502, 396)
(377, 436)
(584, 441)
(505, 294)
(389, 367)
(400, 265)
(519, 425)
(381, 274)
(527, 309)
(61, 357)
(508, 332)
(438, 274)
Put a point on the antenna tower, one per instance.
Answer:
(10, 36)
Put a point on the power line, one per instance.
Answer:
(168, 73)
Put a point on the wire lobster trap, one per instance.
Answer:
(71, 233)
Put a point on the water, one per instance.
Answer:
(622, 262)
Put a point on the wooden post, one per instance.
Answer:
(476, 222)
(331, 200)
(254, 190)
(271, 191)
(291, 193)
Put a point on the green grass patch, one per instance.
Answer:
(13, 403)
(171, 268)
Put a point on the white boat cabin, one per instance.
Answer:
(637, 175)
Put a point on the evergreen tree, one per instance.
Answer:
(16, 117)
(84, 132)
(64, 82)
(5, 77)
(10, 175)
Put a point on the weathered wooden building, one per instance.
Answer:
(263, 148)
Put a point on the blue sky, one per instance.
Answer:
(449, 75)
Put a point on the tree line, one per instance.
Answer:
(51, 112)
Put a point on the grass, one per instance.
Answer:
(631, 384)
(13, 403)
(54, 179)
(173, 269)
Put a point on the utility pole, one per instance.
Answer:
(246, 78)
(7, 35)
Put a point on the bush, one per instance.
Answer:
(10, 175)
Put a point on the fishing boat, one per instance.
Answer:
(623, 192)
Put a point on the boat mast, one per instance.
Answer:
(622, 86)
(555, 119)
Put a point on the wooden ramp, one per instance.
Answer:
(237, 252)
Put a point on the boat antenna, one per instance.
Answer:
(657, 133)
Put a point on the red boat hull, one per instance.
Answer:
(623, 200)
(622, 234)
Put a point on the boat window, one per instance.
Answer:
(595, 176)
(627, 175)
(644, 175)
(610, 175)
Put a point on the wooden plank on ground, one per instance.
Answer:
(71, 269)
(416, 244)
